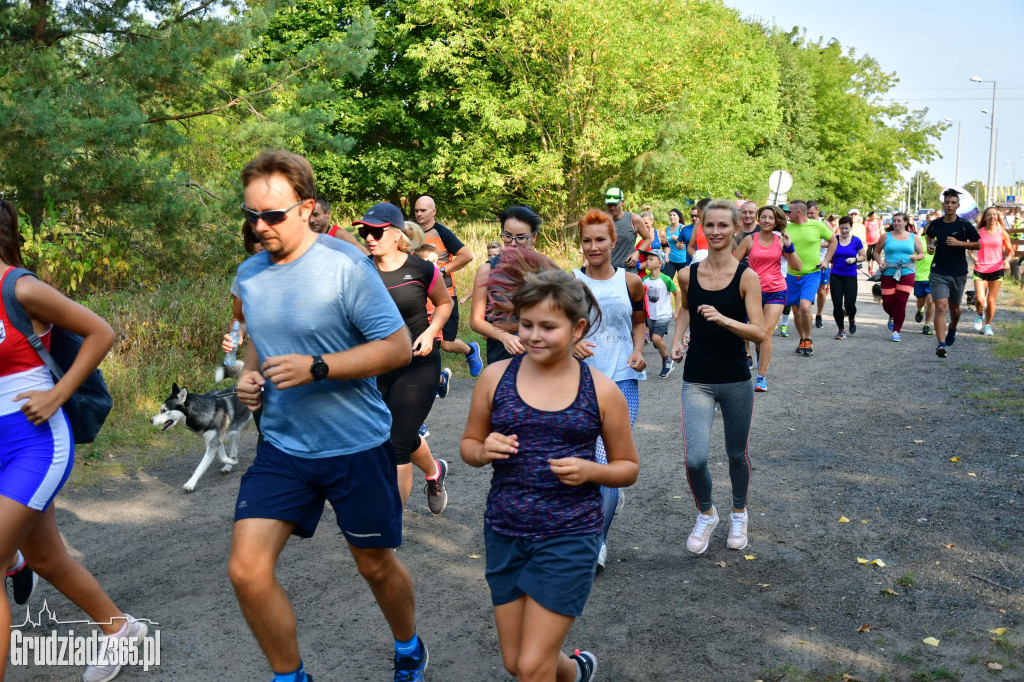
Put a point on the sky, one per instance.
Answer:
(934, 47)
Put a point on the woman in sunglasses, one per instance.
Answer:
(409, 391)
(519, 229)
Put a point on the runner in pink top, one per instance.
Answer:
(989, 266)
(764, 251)
(873, 232)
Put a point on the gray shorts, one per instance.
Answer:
(946, 286)
(658, 327)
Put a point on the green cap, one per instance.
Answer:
(613, 196)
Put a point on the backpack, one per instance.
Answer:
(89, 406)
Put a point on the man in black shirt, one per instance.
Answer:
(949, 238)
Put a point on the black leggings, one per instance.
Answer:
(409, 393)
(844, 295)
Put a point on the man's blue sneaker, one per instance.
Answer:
(941, 350)
(950, 336)
(445, 383)
(411, 668)
(890, 324)
(476, 365)
(423, 430)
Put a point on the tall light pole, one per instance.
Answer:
(991, 136)
(956, 174)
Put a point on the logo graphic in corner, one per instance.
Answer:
(3, 331)
(93, 649)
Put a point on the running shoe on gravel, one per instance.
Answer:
(919, 315)
(666, 367)
(437, 494)
(979, 322)
(701, 534)
(445, 383)
(988, 330)
(476, 365)
(411, 668)
(950, 336)
(889, 325)
(760, 384)
(927, 331)
(940, 350)
(423, 430)
(800, 346)
(853, 326)
(784, 330)
(841, 334)
(602, 556)
(737, 531)
(818, 322)
(23, 581)
(895, 337)
(104, 673)
(586, 665)
(808, 348)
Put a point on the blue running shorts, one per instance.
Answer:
(922, 289)
(362, 488)
(802, 287)
(557, 573)
(35, 461)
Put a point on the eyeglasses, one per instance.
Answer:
(274, 217)
(375, 232)
(517, 238)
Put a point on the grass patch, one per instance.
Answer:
(907, 579)
(937, 674)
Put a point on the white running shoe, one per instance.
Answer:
(602, 556)
(979, 322)
(620, 500)
(988, 330)
(737, 531)
(104, 673)
(701, 534)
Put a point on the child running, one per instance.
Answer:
(535, 419)
(661, 308)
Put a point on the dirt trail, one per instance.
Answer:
(863, 429)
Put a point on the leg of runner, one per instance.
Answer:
(941, 306)
(821, 297)
(980, 298)
(904, 287)
(838, 288)
(772, 312)
(888, 294)
(990, 305)
(610, 497)
(737, 403)
(804, 318)
(531, 639)
(16, 522)
(929, 313)
(784, 320)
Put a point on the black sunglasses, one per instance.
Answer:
(274, 217)
(375, 232)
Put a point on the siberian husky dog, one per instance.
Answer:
(218, 416)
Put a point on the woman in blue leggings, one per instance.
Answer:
(722, 308)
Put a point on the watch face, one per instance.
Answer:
(319, 369)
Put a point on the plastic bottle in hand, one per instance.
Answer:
(231, 356)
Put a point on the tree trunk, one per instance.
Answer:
(39, 31)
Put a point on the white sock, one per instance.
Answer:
(784, 320)
(19, 562)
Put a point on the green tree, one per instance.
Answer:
(124, 123)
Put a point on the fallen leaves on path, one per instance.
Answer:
(864, 628)
(890, 592)
(995, 666)
(876, 562)
(843, 519)
(720, 563)
(973, 475)
(998, 631)
(749, 557)
(931, 641)
(918, 441)
(949, 546)
(954, 459)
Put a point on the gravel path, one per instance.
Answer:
(865, 429)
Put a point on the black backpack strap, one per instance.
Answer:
(23, 323)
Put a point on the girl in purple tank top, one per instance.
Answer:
(536, 419)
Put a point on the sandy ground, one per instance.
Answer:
(863, 429)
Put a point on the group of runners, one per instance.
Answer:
(343, 385)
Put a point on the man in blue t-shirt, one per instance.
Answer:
(321, 326)
(949, 238)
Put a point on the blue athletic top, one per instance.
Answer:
(677, 252)
(897, 250)
(329, 299)
(526, 499)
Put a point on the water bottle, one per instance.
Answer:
(232, 355)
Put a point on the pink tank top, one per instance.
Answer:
(990, 255)
(767, 263)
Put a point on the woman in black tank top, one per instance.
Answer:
(722, 308)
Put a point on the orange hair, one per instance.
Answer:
(597, 217)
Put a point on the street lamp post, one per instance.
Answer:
(956, 174)
(992, 134)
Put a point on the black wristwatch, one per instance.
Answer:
(319, 368)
